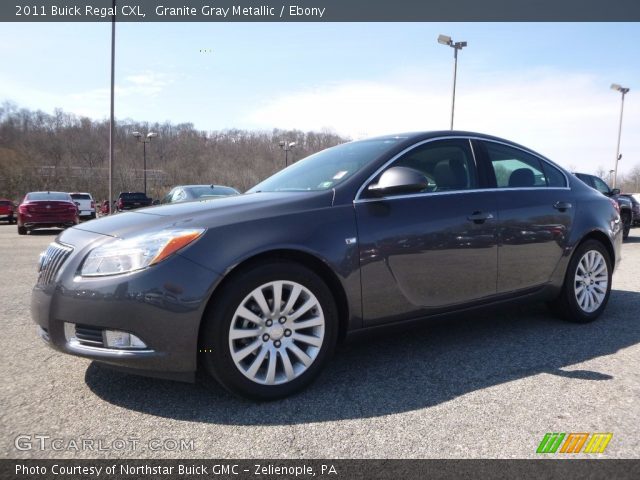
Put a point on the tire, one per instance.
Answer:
(22, 230)
(626, 225)
(93, 216)
(592, 263)
(282, 358)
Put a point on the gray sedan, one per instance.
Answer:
(257, 289)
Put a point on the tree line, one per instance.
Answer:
(66, 152)
(69, 153)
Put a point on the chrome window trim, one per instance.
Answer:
(357, 198)
(454, 192)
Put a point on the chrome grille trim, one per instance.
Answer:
(51, 261)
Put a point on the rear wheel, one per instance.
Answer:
(587, 284)
(22, 230)
(270, 331)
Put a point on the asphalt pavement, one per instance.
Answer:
(482, 385)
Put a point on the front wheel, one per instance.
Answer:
(587, 284)
(270, 331)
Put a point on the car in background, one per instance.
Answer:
(86, 204)
(189, 193)
(635, 207)
(46, 210)
(624, 204)
(131, 201)
(258, 290)
(7, 210)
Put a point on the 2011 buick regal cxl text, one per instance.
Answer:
(256, 289)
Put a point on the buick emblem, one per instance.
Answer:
(48, 206)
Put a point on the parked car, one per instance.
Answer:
(626, 212)
(131, 201)
(7, 209)
(189, 193)
(635, 207)
(46, 210)
(86, 204)
(258, 288)
(104, 207)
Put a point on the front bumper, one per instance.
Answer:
(162, 305)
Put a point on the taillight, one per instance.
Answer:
(93, 204)
(120, 203)
(615, 205)
(23, 209)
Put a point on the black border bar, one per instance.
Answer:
(322, 11)
(543, 468)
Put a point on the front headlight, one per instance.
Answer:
(136, 253)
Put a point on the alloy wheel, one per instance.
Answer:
(276, 332)
(591, 281)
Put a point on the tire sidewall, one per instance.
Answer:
(215, 335)
(576, 313)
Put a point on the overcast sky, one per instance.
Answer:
(543, 85)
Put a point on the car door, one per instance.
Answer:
(535, 215)
(423, 252)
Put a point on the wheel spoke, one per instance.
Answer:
(240, 333)
(258, 296)
(308, 339)
(277, 298)
(257, 363)
(271, 369)
(304, 308)
(303, 357)
(286, 362)
(312, 322)
(293, 297)
(242, 353)
(247, 314)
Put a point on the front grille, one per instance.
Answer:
(50, 262)
(90, 336)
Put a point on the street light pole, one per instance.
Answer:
(446, 40)
(286, 146)
(623, 91)
(111, 117)
(147, 139)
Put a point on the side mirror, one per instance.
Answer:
(399, 180)
(614, 191)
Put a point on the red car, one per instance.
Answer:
(46, 210)
(7, 210)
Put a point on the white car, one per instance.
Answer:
(86, 204)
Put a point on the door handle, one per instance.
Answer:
(562, 206)
(479, 217)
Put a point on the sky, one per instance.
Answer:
(544, 85)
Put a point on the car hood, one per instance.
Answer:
(208, 213)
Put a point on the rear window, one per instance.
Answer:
(212, 191)
(59, 196)
(4, 202)
(81, 196)
(133, 196)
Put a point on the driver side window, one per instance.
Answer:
(447, 164)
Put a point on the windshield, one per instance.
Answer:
(48, 196)
(326, 169)
(81, 196)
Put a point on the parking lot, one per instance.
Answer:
(486, 385)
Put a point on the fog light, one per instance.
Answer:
(69, 331)
(118, 339)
